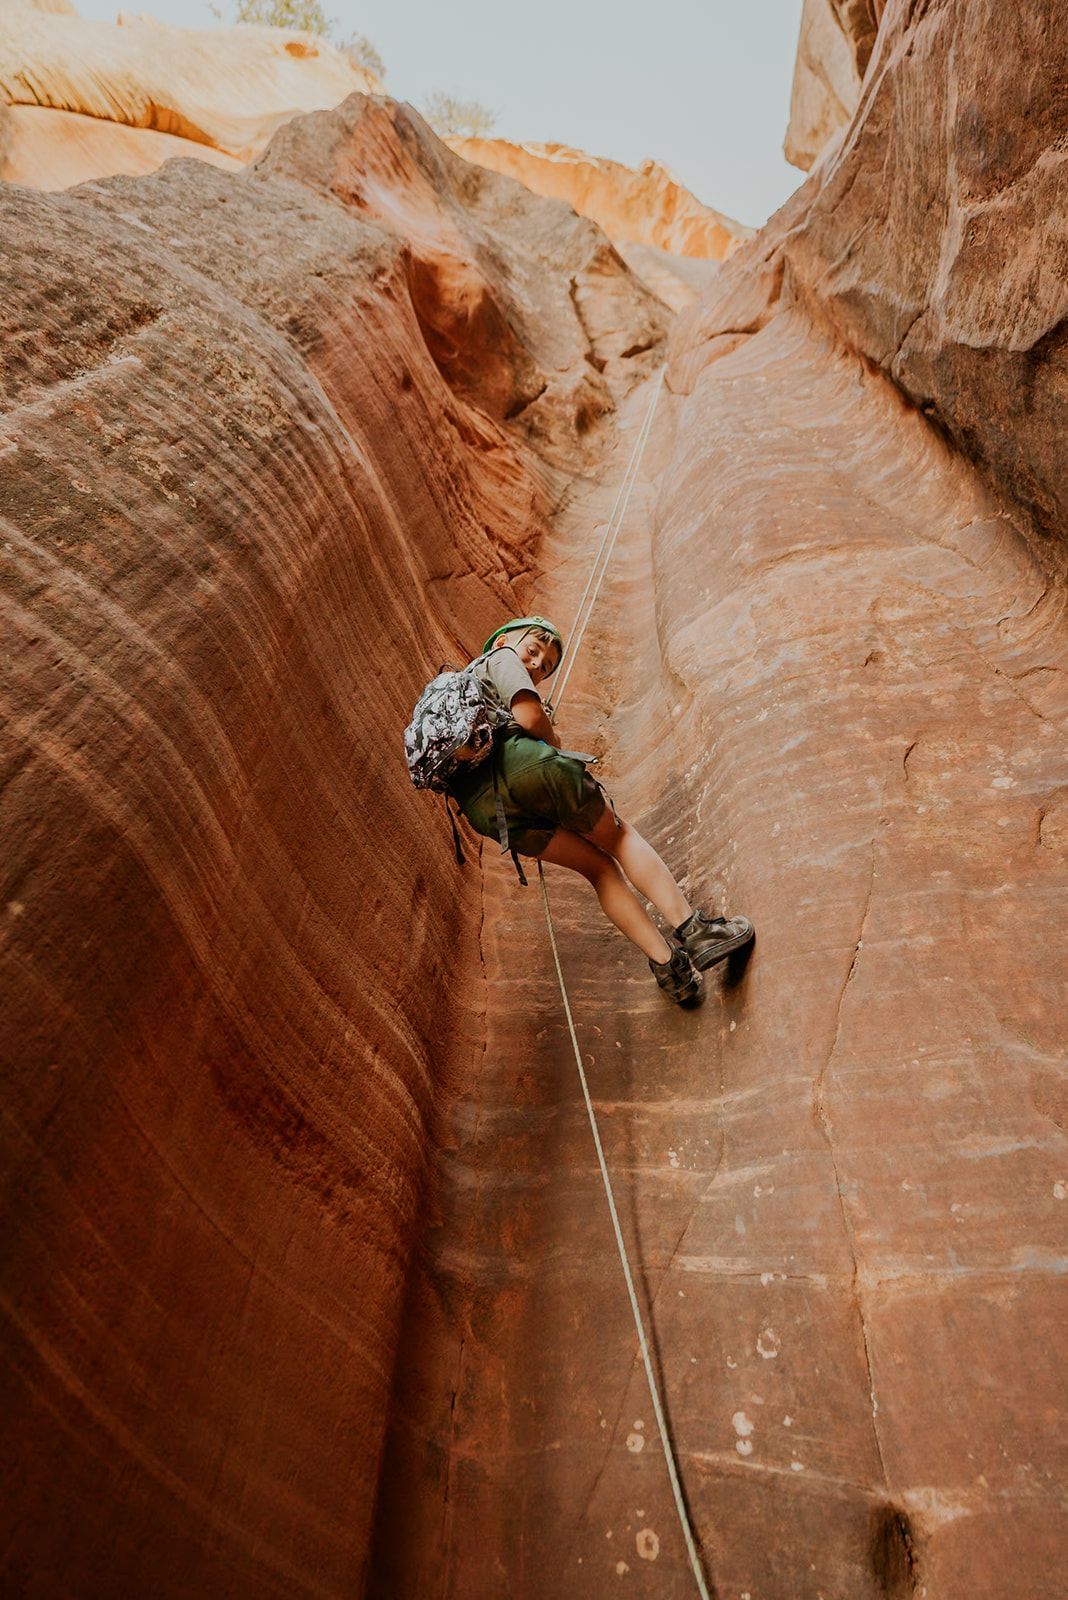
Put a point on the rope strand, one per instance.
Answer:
(650, 1376)
(608, 541)
(587, 602)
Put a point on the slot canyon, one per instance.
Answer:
(309, 1286)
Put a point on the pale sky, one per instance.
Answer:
(701, 85)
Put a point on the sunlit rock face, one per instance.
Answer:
(833, 50)
(545, 347)
(934, 240)
(56, 149)
(91, 99)
(310, 1286)
(645, 206)
(246, 508)
(828, 678)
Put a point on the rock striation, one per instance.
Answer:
(247, 505)
(934, 241)
(220, 91)
(309, 1286)
(647, 206)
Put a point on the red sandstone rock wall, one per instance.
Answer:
(246, 507)
(827, 677)
(832, 663)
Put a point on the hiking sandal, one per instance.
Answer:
(677, 977)
(707, 940)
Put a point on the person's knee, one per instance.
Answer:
(605, 873)
(611, 834)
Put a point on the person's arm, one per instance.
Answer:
(529, 712)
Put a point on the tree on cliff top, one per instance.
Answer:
(303, 16)
(308, 16)
(458, 119)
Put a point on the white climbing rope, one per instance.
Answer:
(608, 541)
(654, 1392)
(586, 604)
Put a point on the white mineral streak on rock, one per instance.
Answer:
(647, 1544)
(768, 1344)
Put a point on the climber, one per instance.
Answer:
(555, 811)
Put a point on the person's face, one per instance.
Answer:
(536, 649)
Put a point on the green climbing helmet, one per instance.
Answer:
(527, 622)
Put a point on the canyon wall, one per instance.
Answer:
(833, 51)
(934, 241)
(90, 99)
(828, 680)
(310, 1286)
(646, 205)
(252, 492)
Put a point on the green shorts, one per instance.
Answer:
(541, 790)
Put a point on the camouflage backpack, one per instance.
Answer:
(452, 726)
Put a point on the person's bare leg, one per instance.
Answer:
(645, 869)
(617, 901)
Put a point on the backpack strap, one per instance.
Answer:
(502, 821)
(610, 801)
(507, 848)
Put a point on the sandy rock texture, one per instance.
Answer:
(223, 89)
(645, 206)
(934, 241)
(57, 149)
(310, 1287)
(246, 508)
(826, 674)
(833, 51)
(829, 678)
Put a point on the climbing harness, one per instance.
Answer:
(582, 617)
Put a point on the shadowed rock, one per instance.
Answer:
(933, 241)
(243, 519)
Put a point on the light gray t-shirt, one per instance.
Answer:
(503, 675)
